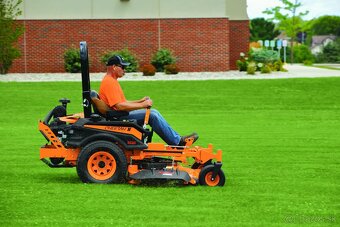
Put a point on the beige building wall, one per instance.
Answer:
(133, 9)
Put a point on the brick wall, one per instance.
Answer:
(199, 44)
(239, 41)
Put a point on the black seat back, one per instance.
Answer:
(100, 107)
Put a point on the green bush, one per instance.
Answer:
(251, 68)
(266, 68)
(7, 57)
(171, 69)
(148, 70)
(331, 53)
(278, 66)
(307, 62)
(162, 58)
(72, 60)
(259, 66)
(302, 53)
(127, 55)
(264, 55)
(260, 59)
(242, 65)
(10, 32)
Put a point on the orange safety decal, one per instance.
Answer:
(120, 129)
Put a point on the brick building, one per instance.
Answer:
(204, 35)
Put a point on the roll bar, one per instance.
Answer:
(85, 79)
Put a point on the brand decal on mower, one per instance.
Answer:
(115, 128)
(119, 129)
(131, 142)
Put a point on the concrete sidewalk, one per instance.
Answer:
(294, 71)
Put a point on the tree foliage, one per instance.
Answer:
(10, 31)
(330, 53)
(261, 29)
(326, 25)
(288, 19)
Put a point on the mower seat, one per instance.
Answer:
(100, 107)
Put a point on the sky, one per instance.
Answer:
(316, 8)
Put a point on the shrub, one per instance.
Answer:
(7, 57)
(302, 53)
(264, 55)
(251, 68)
(148, 70)
(331, 53)
(242, 64)
(307, 62)
(320, 58)
(171, 69)
(259, 66)
(266, 69)
(72, 60)
(278, 66)
(10, 31)
(162, 58)
(127, 55)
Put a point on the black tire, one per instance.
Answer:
(206, 172)
(101, 162)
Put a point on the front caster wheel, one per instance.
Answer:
(101, 162)
(205, 177)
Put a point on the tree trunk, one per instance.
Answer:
(291, 51)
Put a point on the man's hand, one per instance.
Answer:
(145, 98)
(147, 103)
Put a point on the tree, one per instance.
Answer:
(330, 53)
(288, 19)
(326, 25)
(10, 31)
(261, 29)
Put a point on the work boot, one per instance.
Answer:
(183, 138)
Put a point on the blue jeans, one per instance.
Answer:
(158, 124)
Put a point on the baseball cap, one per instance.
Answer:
(117, 60)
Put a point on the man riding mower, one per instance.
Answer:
(106, 149)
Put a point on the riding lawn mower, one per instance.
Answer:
(106, 149)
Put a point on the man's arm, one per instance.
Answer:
(139, 101)
(133, 105)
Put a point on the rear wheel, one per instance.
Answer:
(205, 177)
(101, 162)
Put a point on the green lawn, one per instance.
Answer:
(281, 154)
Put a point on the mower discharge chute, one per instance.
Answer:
(105, 149)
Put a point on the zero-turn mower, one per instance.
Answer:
(105, 149)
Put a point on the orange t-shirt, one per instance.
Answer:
(111, 92)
